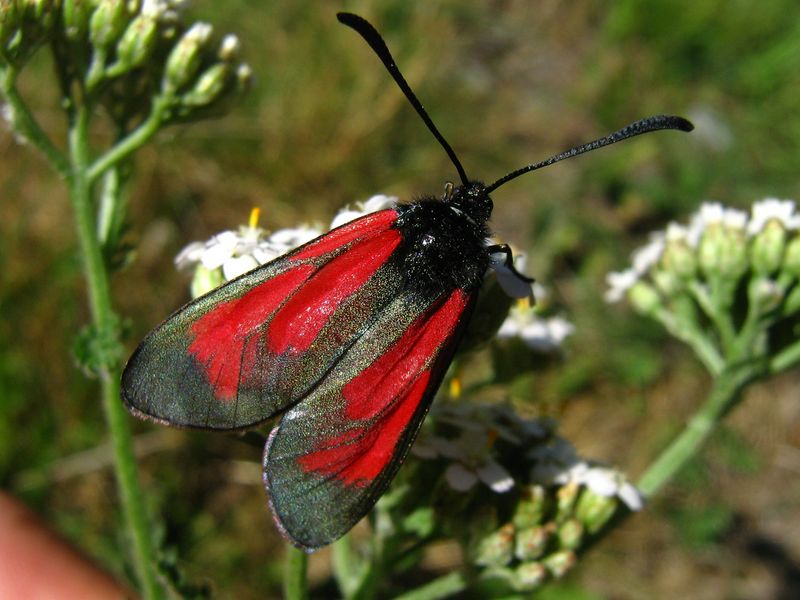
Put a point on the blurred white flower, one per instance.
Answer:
(472, 460)
(543, 334)
(714, 213)
(771, 209)
(559, 463)
(500, 419)
(165, 10)
(359, 209)
(649, 254)
(713, 223)
(619, 282)
(237, 252)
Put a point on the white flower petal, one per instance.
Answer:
(771, 209)
(513, 284)
(459, 477)
(379, 202)
(345, 216)
(238, 265)
(219, 249)
(619, 283)
(601, 481)
(294, 236)
(190, 255)
(631, 496)
(266, 252)
(495, 476)
(649, 254)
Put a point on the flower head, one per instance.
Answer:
(359, 209)
(231, 254)
(543, 334)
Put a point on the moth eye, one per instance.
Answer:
(427, 239)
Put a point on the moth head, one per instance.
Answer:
(473, 200)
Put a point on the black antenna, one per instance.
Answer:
(636, 128)
(373, 38)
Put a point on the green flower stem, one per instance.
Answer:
(345, 566)
(725, 393)
(295, 583)
(132, 142)
(442, 587)
(25, 125)
(695, 338)
(785, 359)
(104, 321)
(719, 315)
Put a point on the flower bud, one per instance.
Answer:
(229, 48)
(791, 259)
(184, 59)
(679, 259)
(107, 22)
(205, 280)
(531, 543)
(667, 282)
(244, 76)
(529, 575)
(570, 534)
(9, 20)
(559, 563)
(75, 14)
(530, 508)
(644, 298)
(723, 251)
(209, 87)
(565, 500)
(766, 293)
(767, 247)
(594, 510)
(137, 42)
(496, 549)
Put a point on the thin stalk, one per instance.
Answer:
(295, 582)
(441, 587)
(345, 566)
(26, 126)
(104, 321)
(785, 359)
(130, 143)
(701, 345)
(725, 393)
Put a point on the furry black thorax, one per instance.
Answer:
(444, 240)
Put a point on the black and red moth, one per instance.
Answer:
(347, 337)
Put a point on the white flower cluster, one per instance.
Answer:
(709, 219)
(558, 463)
(542, 334)
(237, 252)
(472, 448)
(474, 433)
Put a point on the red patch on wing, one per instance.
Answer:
(299, 321)
(357, 457)
(223, 342)
(386, 395)
(369, 224)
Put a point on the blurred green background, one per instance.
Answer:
(507, 82)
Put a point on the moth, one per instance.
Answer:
(347, 338)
